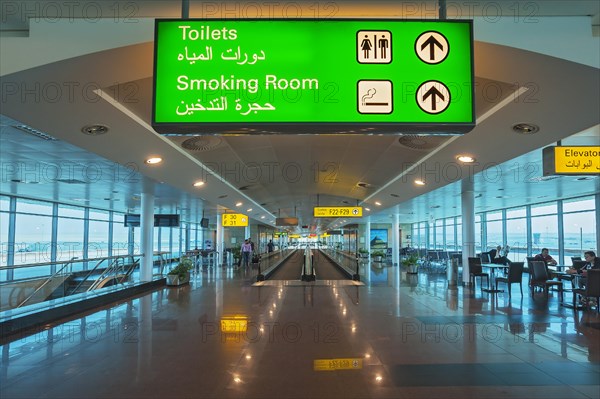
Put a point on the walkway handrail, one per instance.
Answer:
(27, 265)
(45, 283)
(70, 263)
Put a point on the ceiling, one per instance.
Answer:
(276, 175)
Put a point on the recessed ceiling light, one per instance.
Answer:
(465, 159)
(198, 183)
(526, 128)
(377, 203)
(153, 160)
(419, 182)
(94, 130)
(249, 210)
(238, 204)
(262, 217)
(368, 209)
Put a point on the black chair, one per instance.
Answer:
(574, 258)
(475, 270)
(541, 278)
(515, 275)
(591, 290)
(485, 257)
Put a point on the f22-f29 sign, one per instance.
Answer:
(313, 76)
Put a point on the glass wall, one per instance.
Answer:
(52, 232)
(526, 230)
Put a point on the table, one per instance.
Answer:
(493, 267)
(575, 284)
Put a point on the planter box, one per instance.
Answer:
(173, 280)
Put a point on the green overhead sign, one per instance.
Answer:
(313, 76)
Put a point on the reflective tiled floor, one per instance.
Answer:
(399, 336)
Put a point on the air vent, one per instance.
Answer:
(363, 184)
(71, 181)
(415, 142)
(247, 187)
(542, 178)
(34, 132)
(202, 143)
(395, 195)
(223, 196)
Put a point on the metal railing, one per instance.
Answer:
(67, 269)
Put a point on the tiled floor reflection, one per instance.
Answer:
(402, 335)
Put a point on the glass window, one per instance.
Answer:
(579, 204)
(4, 203)
(120, 238)
(450, 244)
(69, 239)
(516, 238)
(176, 245)
(494, 234)
(99, 215)
(33, 234)
(165, 234)
(579, 233)
(545, 234)
(36, 207)
(516, 213)
(459, 236)
(544, 209)
(98, 239)
(3, 241)
(439, 234)
(494, 216)
(70, 211)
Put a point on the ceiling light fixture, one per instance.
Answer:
(249, 210)
(238, 204)
(199, 183)
(465, 159)
(94, 130)
(419, 182)
(153, 160)
(368, 209)
(377, 203)
(526, 128)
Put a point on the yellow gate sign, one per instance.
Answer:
(234, 220)
(337, 364)
(337, 211)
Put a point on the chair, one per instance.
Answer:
(574, 258)
(591, 290)
(515, 275)
(541, 278)
(485, 257)
(475, 270)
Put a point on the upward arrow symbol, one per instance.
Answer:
(432, 42)
(433, 92)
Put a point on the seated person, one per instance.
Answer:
(498, 255)
(593, 262)
(544, 256)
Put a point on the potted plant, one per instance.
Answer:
(377, 256)
(411, 264)
(180, 274)
(363, 253)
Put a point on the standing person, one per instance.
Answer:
(270, 246)
(246, 253)
(544, 256)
